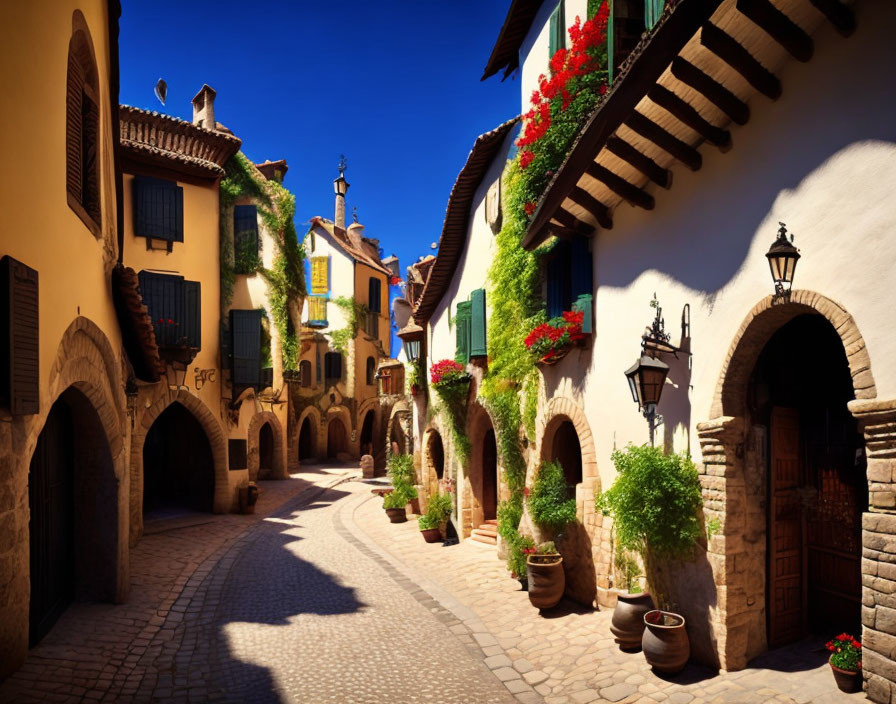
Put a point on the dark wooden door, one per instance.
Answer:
(786, 585)
(306, 443)
(266, 447)
(51, 499)
(335, 437)
(489, 476)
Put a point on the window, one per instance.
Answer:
(158, 209)
(245, 346)
(245, 239)
(317, 312)
(332, 368)
(371, 371)
(319, 279)
(568, 275)
(624, 29)
(174, 306)
(374, 295)
(82, 123)
(19, 343)
(462, 332)
(305, 370)
(557, 35)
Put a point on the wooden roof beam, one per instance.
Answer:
(598, 210)
(715, 92)
(669, 101)
(569, 220)
(647, 166)
(838, 14)
(621, 187)
(779, 27)
(737, 57)
(648, 129)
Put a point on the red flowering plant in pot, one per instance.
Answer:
(549, 342)
(846, 662)
(447, 372)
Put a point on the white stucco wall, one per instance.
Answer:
(534, 55)
(823, 160)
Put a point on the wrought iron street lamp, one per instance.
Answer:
(411, 336)
(782, 258)
(340, 185)
(646, 378)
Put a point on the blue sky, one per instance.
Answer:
(393, 85)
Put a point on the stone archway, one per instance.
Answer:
(277, 469)
(433, 459)
(483, 486)
(308, 444)
(222, 499)
(734, 457)
(399, 430)
(586, 547)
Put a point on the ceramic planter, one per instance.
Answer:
(847, 681)
(546, 582)
(628, 618)
(431, 535)
(397, 515)
(665, 644)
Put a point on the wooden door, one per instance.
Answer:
(489, 476)
(786, 583)
(51, 499)
(266, 447)
(335, 438)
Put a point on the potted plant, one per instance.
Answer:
(654, 502)
(632, 603)
(551, 341)
(432, 524)
(447, 372)
(521, 546)
(401, 473)
(544, 568)
(846, 662)
(665, 641)
(429, 528)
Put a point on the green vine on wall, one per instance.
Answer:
(354, 312)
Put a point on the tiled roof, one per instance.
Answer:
(359, 248)
(506, 52)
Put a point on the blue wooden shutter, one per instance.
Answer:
(245, 234)
(558, 280)
(163, 296)
(462, 332)
(245, 331)
(557, 30)
(19, 338)
(192, 314)
(158, 209)
(582, 266)
(478, 347)
(374, 297)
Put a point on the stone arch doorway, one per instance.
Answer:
(307, 439)
(336, 438)
(435, 458)
(566, 450)
(178, 465)
(265, 440)
(73, 502)
(481, 492)
(781, 442)
(367, 433)
(265, 451)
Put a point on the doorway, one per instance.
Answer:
(489, 476)
(265, 451)
(306, 440)
(367, 434)
(816, 481)
(178, 466)
(566, 450)
(335, 438)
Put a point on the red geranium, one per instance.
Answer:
(547, 339)
(529, 208)
(846, 652)
(445, 371)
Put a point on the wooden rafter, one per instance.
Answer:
(838, 14)
(667, 100)
(647, 166)
(715, 92)
(621, 187)
(569, 220)
(737, 57)
(778, 26)
(666, 141)
(598, 210)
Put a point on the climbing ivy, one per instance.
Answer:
(354, 312)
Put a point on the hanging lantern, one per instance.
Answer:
(782, 258)
(646, 378)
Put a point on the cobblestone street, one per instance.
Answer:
(319, 598)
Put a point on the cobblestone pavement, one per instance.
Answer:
(568, 654)
(287, 605)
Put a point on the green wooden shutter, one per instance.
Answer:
(557, 30)
(478, 347)
(245, 332)
(374, 295)
(653, 9)
(19, 338)
(584, 304)
(462, 332)
(192, 314)
(158, 209)
(610, 40)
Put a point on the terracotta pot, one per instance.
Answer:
(847, 681)
(432, 535)
(397, 515)
(558, 355)
(415, 507)
(666, 646)
(628, 618)
(546, 582)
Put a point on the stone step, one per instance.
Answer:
(481, 537)
(491, 522)
(487, 528)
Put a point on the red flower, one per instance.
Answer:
(394, 281)
(526, 492)
(529, 208)
(526, 158)
(445, 370)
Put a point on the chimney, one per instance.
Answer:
(204, 108)
(340, 186)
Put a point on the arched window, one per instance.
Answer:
(82, 122)
(305, 369)
(371, 371)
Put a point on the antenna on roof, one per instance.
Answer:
(355, 213)
(161, 90)
(343, 165)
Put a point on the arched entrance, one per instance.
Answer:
(480, 495)
(436, 454)
(816, 483)
(397, 443)
(265, 451)
(566, 450)
(367, 434)
(489, 497)
(178, 466)
(307, 439)
(336, 437)
(72, 497)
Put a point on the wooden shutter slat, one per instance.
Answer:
(374, 295)
(158, 209)
(19, 327)
(75, 89)
(245, 329)
(462, 321)
(193, 313)
(478, 347)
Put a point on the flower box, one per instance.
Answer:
(551, 341)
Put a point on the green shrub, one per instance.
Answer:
(518, 548)
(509, 515)
(428, 522)
(548, 500)
(400, 468)
(439, 507)
(399, 496)
(653, 502)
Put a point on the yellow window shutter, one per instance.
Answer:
(319, 282)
